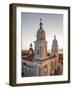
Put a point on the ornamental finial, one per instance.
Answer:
(40, 23)
(40, 19)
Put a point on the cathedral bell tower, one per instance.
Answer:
(40, 44)
(54, 45)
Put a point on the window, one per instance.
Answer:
(37, 52)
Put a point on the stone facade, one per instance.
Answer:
(40, 68)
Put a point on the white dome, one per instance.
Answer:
(41, 33)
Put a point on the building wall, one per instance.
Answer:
(31, 67)
(40, 50)
(42, 68)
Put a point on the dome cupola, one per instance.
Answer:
(41, 32)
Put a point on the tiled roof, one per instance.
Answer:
(28, 57)
(31, 57)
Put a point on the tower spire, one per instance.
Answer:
(41, 23)
(40, 44)
(40, 19)
(54, 36)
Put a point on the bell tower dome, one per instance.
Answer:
(40, 43)
(41, 32)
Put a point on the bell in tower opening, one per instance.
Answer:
(40, 43)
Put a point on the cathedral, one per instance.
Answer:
(38, 62)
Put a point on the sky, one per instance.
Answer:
(52, 25)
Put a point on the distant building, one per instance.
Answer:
(37, 62)
(54, 45)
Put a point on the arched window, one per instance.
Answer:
(37, 52)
